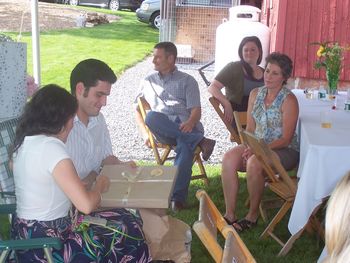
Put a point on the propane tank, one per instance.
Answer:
(243, 22)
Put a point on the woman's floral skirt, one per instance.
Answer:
(125, 243)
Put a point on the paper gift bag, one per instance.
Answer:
(13, 65)
(167, 237)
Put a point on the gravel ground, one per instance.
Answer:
(120, 115)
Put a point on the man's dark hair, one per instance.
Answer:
(89, 72)
(283, 61)
(169, 48)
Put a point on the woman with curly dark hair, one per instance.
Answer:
(272, 116)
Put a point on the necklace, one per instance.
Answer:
(270, 97)
(269, 102)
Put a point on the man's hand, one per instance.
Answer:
(111, 159)
(147, 142)
(114, 160)
(186, 126)
(90, 179)
(102, 183)
(130, 163)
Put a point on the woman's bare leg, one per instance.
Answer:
(256, 184)
(231, 163)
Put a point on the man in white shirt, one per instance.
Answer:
(89, 143)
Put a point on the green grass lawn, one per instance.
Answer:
(306, 249)
(120, 44)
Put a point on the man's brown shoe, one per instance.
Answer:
(207, 146)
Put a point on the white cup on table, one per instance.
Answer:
(326, 119)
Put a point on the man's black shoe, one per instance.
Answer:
(176, 206)
(207, 146)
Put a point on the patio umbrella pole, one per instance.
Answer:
(35, 42)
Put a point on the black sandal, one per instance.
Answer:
(244, 224)
(230, 222)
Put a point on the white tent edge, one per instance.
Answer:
(35, 42)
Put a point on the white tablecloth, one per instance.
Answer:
(324, 155)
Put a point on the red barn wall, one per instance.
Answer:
(294, 24)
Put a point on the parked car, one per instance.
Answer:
(149, 12)
(111, 4)
(54, 1)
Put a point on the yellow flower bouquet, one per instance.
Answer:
(330, 56)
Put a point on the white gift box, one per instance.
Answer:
(143, 187)
(13, 70)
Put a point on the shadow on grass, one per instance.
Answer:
(306, 249)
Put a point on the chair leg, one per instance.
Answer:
(263, 213)
(203, 175)
(313, 223)
(4, 255)
(268, 204)
(261, 209)
(48, 255)
(318, 227)
(202, 170)
(156, 155)
(289, 244)
(164, 155)
(280, 214)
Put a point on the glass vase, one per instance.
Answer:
(333, 79)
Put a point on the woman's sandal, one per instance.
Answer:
(230, 222)
(244, 224)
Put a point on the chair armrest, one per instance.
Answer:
(33, 243)
(7, 209)
(11, 194)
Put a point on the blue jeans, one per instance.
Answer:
(168, 132)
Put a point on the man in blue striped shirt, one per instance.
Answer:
(89, 143)
(175, 117)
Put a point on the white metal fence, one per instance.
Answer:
(191, 25)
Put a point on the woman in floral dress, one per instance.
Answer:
(272, 116)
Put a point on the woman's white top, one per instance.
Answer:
(38, 196)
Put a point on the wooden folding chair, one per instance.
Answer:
(241, 121)
(280, 183)
(234, 136)
(156, 146)
(7, 198)
(240, 118)
(209, 223)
